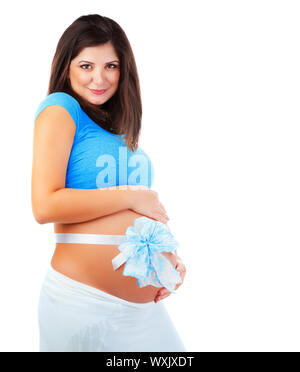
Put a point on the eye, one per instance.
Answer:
(111, 64)
(84, 65)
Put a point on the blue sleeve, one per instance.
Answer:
(62, 99)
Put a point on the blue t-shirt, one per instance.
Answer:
(98, 158)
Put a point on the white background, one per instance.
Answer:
(220, 87)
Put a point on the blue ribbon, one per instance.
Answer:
(141, 250)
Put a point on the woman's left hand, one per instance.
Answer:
(180, 267)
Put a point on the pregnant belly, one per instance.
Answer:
(92, 263)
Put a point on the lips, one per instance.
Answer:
(95, 91)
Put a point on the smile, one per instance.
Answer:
(98, 92)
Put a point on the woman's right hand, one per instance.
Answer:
(145, 201)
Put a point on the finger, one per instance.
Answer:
(181, 268)
(182, 276)
(161, 218)
(164, 292)
(179, 260)
(161, 297)
(182, 273)
(161, 206)
(163, 209)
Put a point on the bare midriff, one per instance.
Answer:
(91, 264)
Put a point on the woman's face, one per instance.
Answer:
(96, 68)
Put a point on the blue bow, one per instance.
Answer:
(141, 251)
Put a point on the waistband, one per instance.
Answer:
(89, 290)
(89, 238)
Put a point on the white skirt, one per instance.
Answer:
(76, 317)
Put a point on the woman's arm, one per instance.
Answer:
(51, 202)
(79, 205)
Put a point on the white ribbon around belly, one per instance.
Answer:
(140, 248)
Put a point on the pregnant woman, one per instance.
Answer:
(115, 256)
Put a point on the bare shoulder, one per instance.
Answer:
(57, 117)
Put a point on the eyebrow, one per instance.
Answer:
(93, 62)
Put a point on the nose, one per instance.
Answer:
(99, 77)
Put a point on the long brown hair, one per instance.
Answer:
(122, 113)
